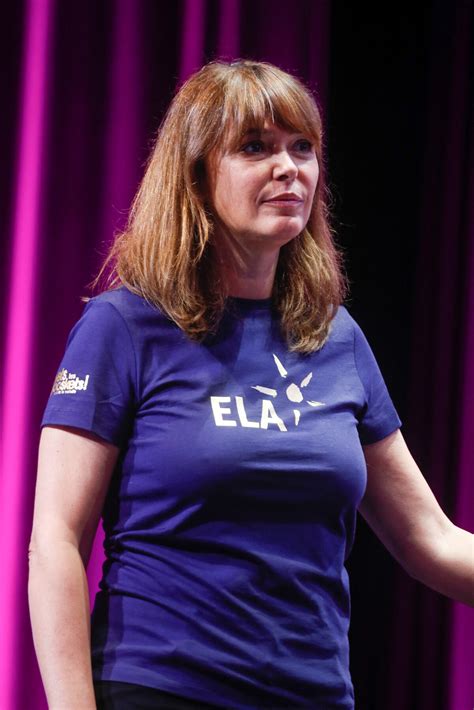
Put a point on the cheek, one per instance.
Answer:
(224, 189)
(223, 202)
(233, 196)
(313, 178)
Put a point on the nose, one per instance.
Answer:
(284, 167)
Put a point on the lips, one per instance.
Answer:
(284, 199)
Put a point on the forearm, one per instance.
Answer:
(450, 570)
(60, 618)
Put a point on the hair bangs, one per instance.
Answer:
(256, 95)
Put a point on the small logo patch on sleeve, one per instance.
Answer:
(69, 383)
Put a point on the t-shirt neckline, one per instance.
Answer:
(250, 304)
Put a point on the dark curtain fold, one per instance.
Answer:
(440, 397)
(84, 86)
(401, 150)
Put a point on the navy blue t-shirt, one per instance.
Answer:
(233, 506)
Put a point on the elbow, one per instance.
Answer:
(32, 552)
(418, 553)
(38, 548)
(421, 559)
(46, 550)
(446, 566)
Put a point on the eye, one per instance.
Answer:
(253, 147)
(303, 145)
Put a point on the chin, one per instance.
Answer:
(289, 233)
(280, 239)
(288, 228)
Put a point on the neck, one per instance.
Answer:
(248, 273)
(256, 281)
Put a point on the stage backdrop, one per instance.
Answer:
(84, 88)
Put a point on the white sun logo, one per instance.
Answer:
(293, 391)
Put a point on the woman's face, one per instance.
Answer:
(263, 191)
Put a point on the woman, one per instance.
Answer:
(223, 412)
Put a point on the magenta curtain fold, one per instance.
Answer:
(462, 633)
(193, 36)
(229, 27)
(16, 424)
(96, 78)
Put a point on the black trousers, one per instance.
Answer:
(115, 695)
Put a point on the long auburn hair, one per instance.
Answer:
(166, 254)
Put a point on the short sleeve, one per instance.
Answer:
(95, 387)
(378, 417)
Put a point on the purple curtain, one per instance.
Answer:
(86, 85)
(440, 422)
(93, 84)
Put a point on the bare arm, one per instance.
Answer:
(402, 510)
(74, 472)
